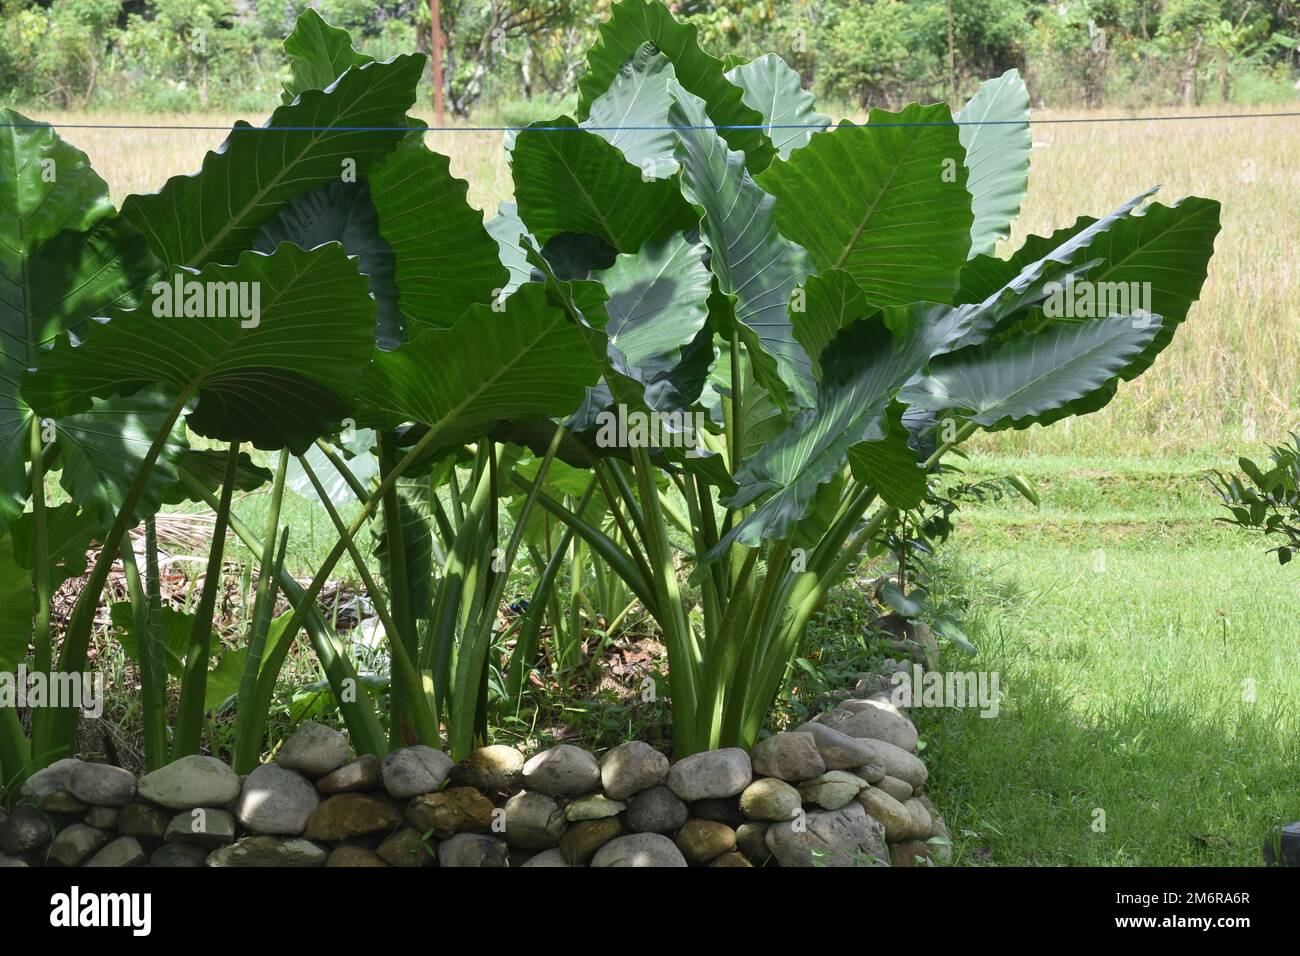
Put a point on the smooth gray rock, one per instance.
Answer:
(630, 768)
(711, 774)
(121, 853)
(48, 788)
(832, 790)
(769, 799)
(493, 768)
(269, 851)
(411, 771)
(533, 821)
(839, 751)
(8, 862)
(869, 718)
(314, 750)
(408, 847)
(143, 821)
(789, 755)
(657, 810)
(179, 855)
(100, 784)
(104, 818)
(76, 844)
(206, 827)
(276, 801)
(563, 772)
(551, 857)
(639, 849)
(25, 831)
(364, 773)
(826, 838)
(193, 781)
(473, 849)
(750, 840)
(900, 790)
(594, 806)
(895, 817)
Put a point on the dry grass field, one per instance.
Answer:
(1228, 381)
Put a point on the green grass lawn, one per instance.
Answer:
(1149, 669)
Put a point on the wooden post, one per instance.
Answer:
(435, 48)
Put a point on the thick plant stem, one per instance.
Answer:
(402, 620)
(147, 620)
(53, 728)
(419, 697)
(15, 752)
(40, 555)
(194, 683)
(269, 568)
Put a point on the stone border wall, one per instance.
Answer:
(845, 789)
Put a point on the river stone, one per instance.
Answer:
(407, 848)
(26, 830)
(656, 810)
(630, 768)
(473, 849)
(594, 806)
(713, 773)
(49, 789)
(871, 720)
(900, 790)
(76, 844)
(563, 771)
(732, 859)
(839, 751)
(122, 852)
(314, 750)
(922, 827)
(104, 818)
(193, 781)
(101, 784)
(896, 762)
(720, 810)
(750, 841)
(639, 849)
(205, 827)
(450, 811)
(533, 821)
(354, 856)
(276, 801)
(551, 857)
(826, 838)
(703, 840)
(832, 790)
(8, 862)
(269, 851)
(769, 799)
(179, 855)
(789, 755)
(411, 771)
(364, 773)
(143, 821)
(581, 841)
(347, 815)
(892, 814)
(493, 768)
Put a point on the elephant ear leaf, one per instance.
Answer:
(16, 607)
(889, 465)
(64, 256)
(1067, 368)
(318, 54)
(633, 113)
(994, 129)
(770, 86)
(886, 202)
(215, 214)
(208, 468)
(633, 23)
(280, 377)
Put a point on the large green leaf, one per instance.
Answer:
(321, 137)
(16, 607)
(633, 113)
(101, 449)
(1068, 368)
(634, 22)
(69, 533)
(343, 213)
(995, 132)
(832, 300)
(282, 382)
(509, 232)
(526, 361)
(889, 465)
(756, 268)
(887, 202)
(446, 259)
(570, 180)
(772, 88)
(64, 256)
(318, 54)
(208, 467)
